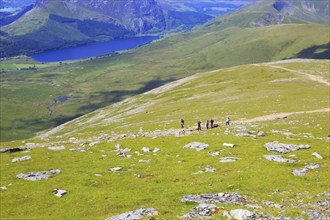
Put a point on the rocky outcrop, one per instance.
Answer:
(303, 171)
(224, 198)
(284, 148)
(197, 146)
(39, 175)
(136, 214)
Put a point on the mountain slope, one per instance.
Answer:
(280, 98)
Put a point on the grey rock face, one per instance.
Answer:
(303, 171)
(284, 148)
(225, 198)
(279, 159)
(136, 214)
(39, 175)
(18, 159)
(201, 211)
(198, 146)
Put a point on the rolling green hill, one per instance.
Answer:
(287, 100)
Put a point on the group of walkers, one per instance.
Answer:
(208, 124)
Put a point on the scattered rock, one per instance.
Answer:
(284, 148)
(98, 175)
(18, 159)
(202, 211)
(225, 198)
(122, 154)
(228, 159)
(145, 149)
(136, 214)
(78, 149)
(3, 187)
(279, 159)
(197, 146)
(228, 145)
(271, 204)
(57, 148)
(144, 161)
(317, 215)
(214, 154)
(206, 170)
(242, 214)
(59, 192)
(245, 134)
(156, 150)
(12, 150)
(318, 156)
(116, 169)
(93, 143)
(39, 175)
(261, 134)
(303, 171)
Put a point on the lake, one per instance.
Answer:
(92, 50)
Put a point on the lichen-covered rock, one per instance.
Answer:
(201, 211)
(303, 171)
(198, 146)
(136, 214)
(39, 175)
(279, 159)
(284, 148)
(225, 198)
(18, 159)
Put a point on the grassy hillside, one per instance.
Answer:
(289, 101)
(95, 83)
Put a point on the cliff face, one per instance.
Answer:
(139, 16)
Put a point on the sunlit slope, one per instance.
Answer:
(243, 92)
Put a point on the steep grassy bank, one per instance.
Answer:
(152, 120)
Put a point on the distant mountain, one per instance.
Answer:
(55, 24)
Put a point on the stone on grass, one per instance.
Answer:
(317, 215)
(78, 149)
(136, 214)
(57, 148)
(228, 145)
(3, 187)
(18, 159)
(318, 156)
(39, 175)
(224, 198)
(156, 150)
(279, 159)
(198, 146)
(228, 159)
(214, 154)
(145, 149)
(59, 192)
(261, 134)
(284, 148)
(201, 211)
(116, 169)
(242, 214)
(303, 171)
(144, 161)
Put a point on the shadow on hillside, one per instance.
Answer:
(119, 95)
(315, 52)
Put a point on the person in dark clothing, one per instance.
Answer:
(212, 122)
(207, 124)
(199, 128)
(182, 123)
(227, 121)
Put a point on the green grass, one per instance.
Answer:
(169, 175)
(95, 83)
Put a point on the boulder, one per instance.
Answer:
(279, 159)
(198, 146)
(39, 175)
(228, 159)
(284, 148)
(136, 214)
(224, 198)
(202, 211)
(18, 159)
(318, 156)
(242, 214)
(57, 148)
(228, 145)
(303, 171)
(59, 192)
(261, 134)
